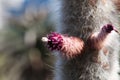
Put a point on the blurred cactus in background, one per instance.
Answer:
(22, 54)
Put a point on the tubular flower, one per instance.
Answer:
(69, 46)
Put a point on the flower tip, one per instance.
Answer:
(44, 39)
(108, 28)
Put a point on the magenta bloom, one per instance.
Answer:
(107, 28)
(55, 41)
(97, 39)
(69, 46)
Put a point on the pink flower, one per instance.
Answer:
(69, 46)
(97, 39)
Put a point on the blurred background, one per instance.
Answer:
(22, 54)
(22, 25)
